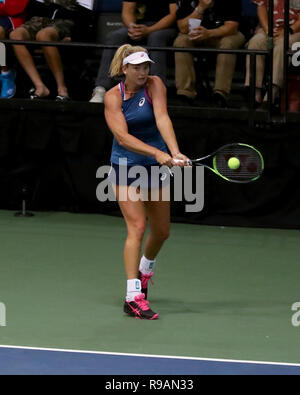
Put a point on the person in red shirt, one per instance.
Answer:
(12, 15)
(260, 42)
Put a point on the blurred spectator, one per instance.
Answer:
(56, 22)
(260, 42)
(146, 22)
(12, 15)
(219, 29)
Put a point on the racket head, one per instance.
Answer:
(251, 163)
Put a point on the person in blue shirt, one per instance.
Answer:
(136, 113)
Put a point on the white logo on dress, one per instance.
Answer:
(142, 102)
(163, 177)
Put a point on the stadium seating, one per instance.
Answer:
(108, 5)
(109, 17)
(249, 9)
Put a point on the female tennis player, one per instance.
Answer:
(136, 113)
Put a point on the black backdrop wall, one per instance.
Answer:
(54, 150)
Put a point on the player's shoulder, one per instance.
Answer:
(156, 87)
(155, 83)
(154, 79)
(113, 96)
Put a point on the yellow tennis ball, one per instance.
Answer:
(233, 163)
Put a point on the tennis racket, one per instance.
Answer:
(240, 163)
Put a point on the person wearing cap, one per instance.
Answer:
(136, 113)
(147, 22)
(219, 28)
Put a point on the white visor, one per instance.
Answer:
(137, 58)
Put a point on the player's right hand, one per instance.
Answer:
(164, 159)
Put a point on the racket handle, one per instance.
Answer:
(178, 160)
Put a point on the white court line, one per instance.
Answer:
(149, 355)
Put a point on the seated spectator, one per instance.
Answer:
(219, 29)
(12, 15)
(260, 42)
(56, 23)
(146, 23)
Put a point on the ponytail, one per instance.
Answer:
(121, 53)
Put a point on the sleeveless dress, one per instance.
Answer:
(139, 115)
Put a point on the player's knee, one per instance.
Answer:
(165, 234)
(162, 234)
(137, 229)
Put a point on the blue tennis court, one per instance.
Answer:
(24, 361)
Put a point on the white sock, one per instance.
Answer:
(134, 288)
(146, 265)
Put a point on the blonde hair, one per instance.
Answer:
(121, 53)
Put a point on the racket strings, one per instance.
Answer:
(250, 166)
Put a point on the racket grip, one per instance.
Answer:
(178, 160)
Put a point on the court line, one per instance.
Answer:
(149, 355)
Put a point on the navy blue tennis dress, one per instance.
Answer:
(139, 115)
